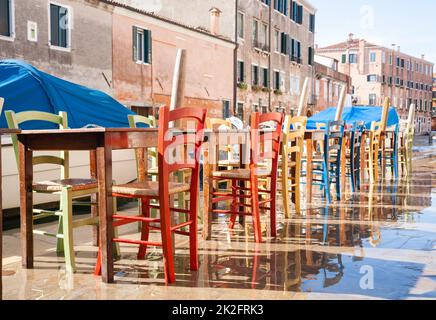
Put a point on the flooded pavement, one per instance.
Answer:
(377, 244)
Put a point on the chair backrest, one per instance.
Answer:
(334, 134)
(356, 134)
(174, 144)
(293, 141)
(134, 122)
(14, 121)
(263, 139)
(215, 124)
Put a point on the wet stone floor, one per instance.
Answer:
(377, 244)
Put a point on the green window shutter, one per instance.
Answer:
(344, 58)
(135, 44)
(147, 46)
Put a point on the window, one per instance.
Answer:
(352, 58)
(241, 24)
(276, 41)
(372, 99)
(255, 75)
(226, 109)
(311, 56)
(265, 77)
(297, 13)
(383, 57)
(59, 26)
(390, 59)
(344, 58)
(277, 80)
(142, 48)
(239, 112)
(402, 63)
(284, 40)
(296, 51)
(264, 37)
(312, 23)
(372, 57)
(255, 33)
(6, 18)
(281, 6)
(372, 78)
(241, 71)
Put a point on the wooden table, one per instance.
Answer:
(103, 142)
(2, 132)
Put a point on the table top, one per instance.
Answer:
(85, 130)
(8, 131)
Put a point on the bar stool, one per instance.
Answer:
(171, 142)
(292, 150)
(258, 140)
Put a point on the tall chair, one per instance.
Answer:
(373, 151)
(327, 170)
(405, 145)
(258, 141)
(292, 150)
(353, 155)
(67, 188)
(163, 189)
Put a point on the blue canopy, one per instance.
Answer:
(367, 114)
(25, 88)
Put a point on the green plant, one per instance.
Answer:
(242, 85)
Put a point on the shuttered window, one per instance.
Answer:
(311, 55)
(59, 26)
(5, 18)
(241, 71)
(142, 45)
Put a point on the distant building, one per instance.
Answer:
(433, 122)
(275, 54)
(327, 84)
(378, 72)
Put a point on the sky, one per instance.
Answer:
(405, 23)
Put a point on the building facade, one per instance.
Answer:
(378, 72)
(275, 54)
(55, 37)
(433, 118)
(327, 84)
(145, 48)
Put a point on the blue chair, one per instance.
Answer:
(353, 158)
(329, 167)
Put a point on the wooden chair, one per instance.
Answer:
(67, 188)
(227, 152)
(353, 155)
(257, 139)
(390, 151)
(405, 150)
(292, 150)
(163, 189)
(327, 171)
(373, 151)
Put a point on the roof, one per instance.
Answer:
(165, 19)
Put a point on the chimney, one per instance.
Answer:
(350, 37)
(423, 56)
(398, 48)
(215, 20)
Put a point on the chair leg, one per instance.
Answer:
(273, 212)
(60, 233)
(235, 204)
(193, 240)
(67, 223)
(255, 211)
(285, 190)
(116, 245)
(167, 246)
(145, 228)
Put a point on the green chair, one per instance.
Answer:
(67, 188)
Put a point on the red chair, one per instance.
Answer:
(257, 170)
(168, 144)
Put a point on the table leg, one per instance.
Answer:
(1, 224)
(309, 167)
(105, 210)
(94, 197)
(26, 205)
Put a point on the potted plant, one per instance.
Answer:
(278, 92)
(266, 89)
(242, 85)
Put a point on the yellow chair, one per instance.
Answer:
(373, 151)
(405, 150)
(292, 150)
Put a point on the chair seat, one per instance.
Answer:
(240, 173)
(228, 163)
(148, 188)
(57, 185)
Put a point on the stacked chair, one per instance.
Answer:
(353, 155)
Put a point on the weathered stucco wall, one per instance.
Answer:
(91, 42)
(208, 71)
